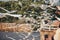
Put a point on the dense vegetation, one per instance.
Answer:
(25, 8)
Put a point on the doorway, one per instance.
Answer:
(46, 37)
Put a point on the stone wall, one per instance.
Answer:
(13, 27)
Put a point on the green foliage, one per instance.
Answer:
(24, 9)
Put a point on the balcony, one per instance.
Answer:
(49, 28)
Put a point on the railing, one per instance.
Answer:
(49, 28)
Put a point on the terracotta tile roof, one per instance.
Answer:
(58, 7)
(55, 23)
